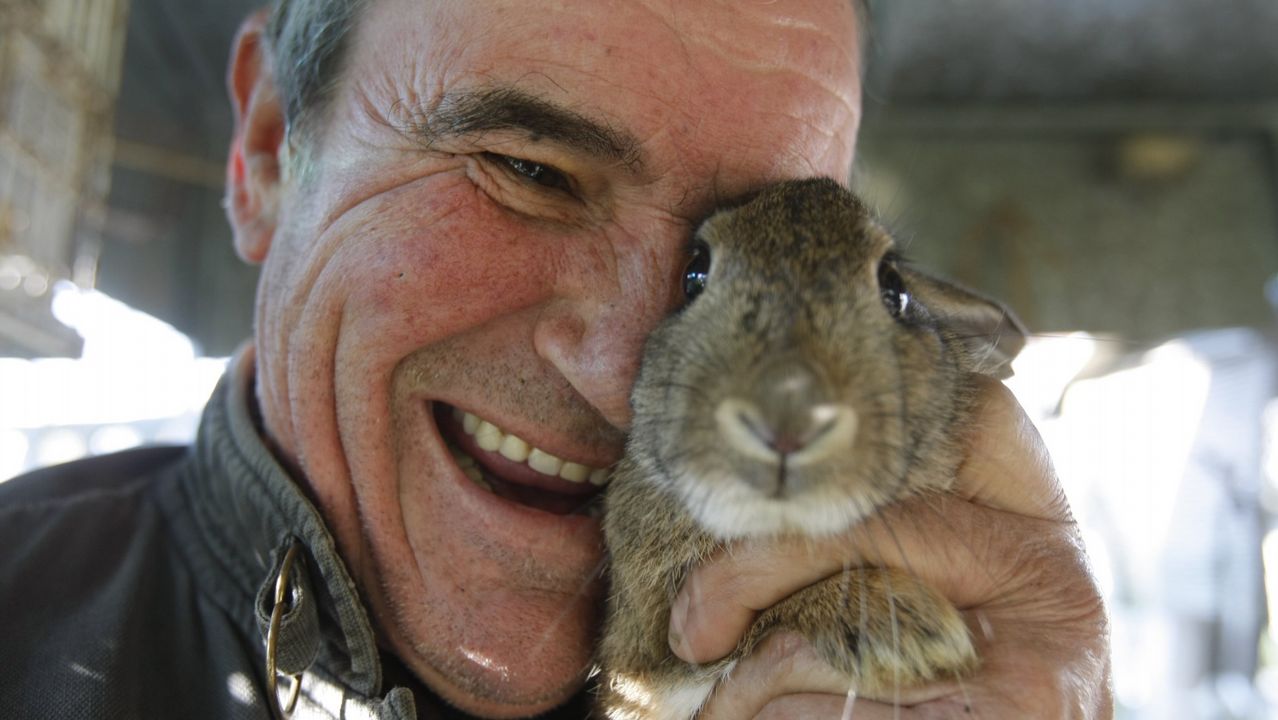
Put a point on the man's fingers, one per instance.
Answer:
(968, 553)
(719, 600)
(802, 706)
(785, 678)
(816, 706)
(1007, 465)
(809, 706)
(1021, 680)
(782, 664)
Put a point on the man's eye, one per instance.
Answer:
(543, 175)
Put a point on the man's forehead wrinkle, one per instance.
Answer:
(480, 110)
(673, 28)
(830, 33)
(795, 33)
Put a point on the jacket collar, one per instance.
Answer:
(249, 511)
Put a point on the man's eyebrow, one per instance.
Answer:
(477, 111)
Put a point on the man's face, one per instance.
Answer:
(500, 212)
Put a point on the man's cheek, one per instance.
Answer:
(440, 269)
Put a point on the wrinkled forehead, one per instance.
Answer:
(773, 87)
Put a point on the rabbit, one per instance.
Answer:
(812, 378)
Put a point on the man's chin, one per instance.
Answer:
(484, 707)
(506, 652)
(486, 687)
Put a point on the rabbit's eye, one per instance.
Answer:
(697, 270)
(892, 290)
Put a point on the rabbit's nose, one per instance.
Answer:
(788, 416)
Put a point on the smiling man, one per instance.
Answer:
(469, 215)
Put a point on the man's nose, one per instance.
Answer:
(593, 331)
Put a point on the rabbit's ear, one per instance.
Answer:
(988, 332)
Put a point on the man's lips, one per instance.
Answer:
(512, 480)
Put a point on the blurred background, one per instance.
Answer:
(1107, 167)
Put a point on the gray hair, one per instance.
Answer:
(306, 40)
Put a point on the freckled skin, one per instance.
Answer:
(405, 275)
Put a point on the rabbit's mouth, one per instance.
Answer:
(509, 467)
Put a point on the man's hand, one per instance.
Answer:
(1002, 547)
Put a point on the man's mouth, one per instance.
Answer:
(513, 469)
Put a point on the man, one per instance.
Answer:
(469, 215)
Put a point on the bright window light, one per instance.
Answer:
(138, 381)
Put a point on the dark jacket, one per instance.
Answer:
(140, 585)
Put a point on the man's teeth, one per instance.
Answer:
(493, 439)
(470, 468)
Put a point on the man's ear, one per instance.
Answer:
(253, 164)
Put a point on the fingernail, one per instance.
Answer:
(679, 617)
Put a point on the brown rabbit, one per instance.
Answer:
(812, 379)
